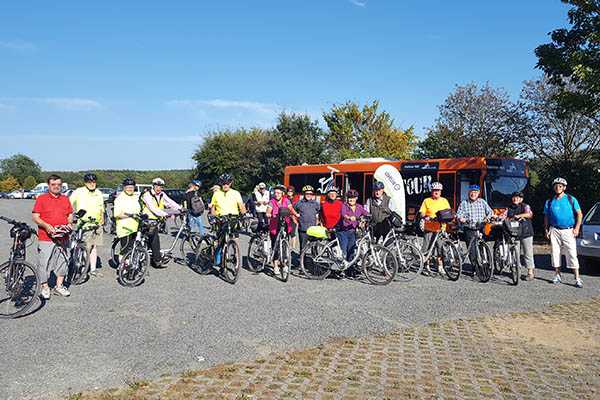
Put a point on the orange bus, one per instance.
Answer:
(498, 178)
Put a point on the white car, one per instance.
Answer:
(17, 194)
(588, 242)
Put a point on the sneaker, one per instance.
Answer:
(62, 291)
(96, 274)
(276, 270)
(286, 269)
(578, 283)
(45, 293)
(556, 279)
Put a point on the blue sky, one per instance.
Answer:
(137, 84)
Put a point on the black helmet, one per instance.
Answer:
(128, 182)
(90, 177)
(378, 185)
(225, 179)
(351, 194)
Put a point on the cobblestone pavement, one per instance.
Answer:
(549, 354)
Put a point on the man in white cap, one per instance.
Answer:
(261, 201)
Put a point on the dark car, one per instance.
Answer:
(3, 195)
(177, 195)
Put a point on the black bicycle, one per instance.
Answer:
(79, 259)
(220, 241)
(21, 281)
(133, 266)
(482, 261)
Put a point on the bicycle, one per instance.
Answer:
(108, 223)
(483, 263)
(21, 279)
(323, 255)
(189, 241)
(222, 239)
(247, 222)
(260, 251)
(442, 247)
(78, 257)
(133, 266)
(506, 248)
(402, 240)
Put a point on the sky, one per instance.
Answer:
(138, 84)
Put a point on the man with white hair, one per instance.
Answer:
(261, 201)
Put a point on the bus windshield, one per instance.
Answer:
(499, 189)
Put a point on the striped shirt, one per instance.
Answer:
(474, 211)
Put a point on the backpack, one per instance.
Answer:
(197, 204)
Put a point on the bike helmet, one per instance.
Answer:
(197, 182)
(280, 187)
(308, 188)
(332, 189)
(518, 194)
(351, 194)
(90, 177)
(158, 182)
(559, 181)
(378, 185)
(291, 189)
(225, 179)
(128, 182)
(474, 188)
(437, 186)
(262, 185)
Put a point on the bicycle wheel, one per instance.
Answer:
(133, 266)
(316, 260)
(410, 259)
(256, 254)
(188, 247)
(230, 262)
(79, 265)
(514, 268)
(115, 250)
(379, 265)
(19, 288)
(285, 260)
(203, 258)
(451, 261)
(484, 265)
(499, 260)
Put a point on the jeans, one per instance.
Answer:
(347, 241)
(263, 222)
(196, 224)
(303, 239)
(381, 229)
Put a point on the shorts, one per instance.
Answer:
(93, 238)
(51, 258)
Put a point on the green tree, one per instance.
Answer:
(20, 167)
(573, 57)
(29, 183)
(9, 184)
(366, 132)
(474, 122)
(299, 140)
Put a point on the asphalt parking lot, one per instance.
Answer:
(105, 334)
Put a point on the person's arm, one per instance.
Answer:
(579, 218)
(269, 211)
(488, 210)
(170, 203)
(42, 224)
(423, 209)
(546, 220)
(241, 205)
(460, 213)
(528, 214)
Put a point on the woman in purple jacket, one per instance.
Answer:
(351, 213)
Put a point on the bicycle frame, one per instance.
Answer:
(184, 227)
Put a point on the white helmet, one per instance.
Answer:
(158, 181)
(561, 181)
(437, 186)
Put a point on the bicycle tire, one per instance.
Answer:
(188, 247)
(311, 268)
(514, 268)
(484, 266)
(17, 300)
(230, 262)
(379, 265)
(451, 260)
(203, 259)
(255, 261)
(285, 260)
(79, 265)
(132, 269)
(409, 256)
(114, 254)
(499, 262)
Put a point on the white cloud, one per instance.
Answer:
(17, 45)
(359, 3)
(265, 108)
(60, 103)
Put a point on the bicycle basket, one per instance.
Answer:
(445, 216)
(513, 228)
(317, 232)
(432, 226)
(22, 232)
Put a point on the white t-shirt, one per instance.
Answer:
(264, 197)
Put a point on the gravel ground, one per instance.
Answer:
(105, 334)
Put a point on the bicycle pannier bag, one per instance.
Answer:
(317, 232)
(513, 228)
(445, 216)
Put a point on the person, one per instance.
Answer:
(293, 198)
(127, 204)
(521, 212)
(213, 190)
(473, 211)
(379, 208)
(351, 212)
(428, 211)
(562, 221)
(154, 203)
(261, 201)
(278, 202)
(308, 213)
(331, 209)
(90, 199)
(51, 211)
(193, 202)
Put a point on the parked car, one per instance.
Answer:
(588, 242)
(176, 195)
(138, 189)
(3, 195)
(106, 193)
(17, 194)
(35, 193)
(28, 194)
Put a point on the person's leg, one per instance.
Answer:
(527, 247)
(351, 244)
(343, 239)
(570, 249)
(155, 246)
(470, 235)
(44, 253)
(60, 264)
(555, 245)
(93, 258)
(303, 239)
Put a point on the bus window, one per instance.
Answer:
(465, 179)
(368, 187)
(354, 180)
(298, 181)
(339, 183)
(447, 180)
(499, 189)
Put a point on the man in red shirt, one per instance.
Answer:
(331, 209)
(51, 210)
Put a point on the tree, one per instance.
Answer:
(20, 166)
(552, 133)
(474, 122)
(299, 140)
(573, 57)
(29, 183)
(366, 132)
(9, 184)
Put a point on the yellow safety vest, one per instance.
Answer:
(160, 203)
